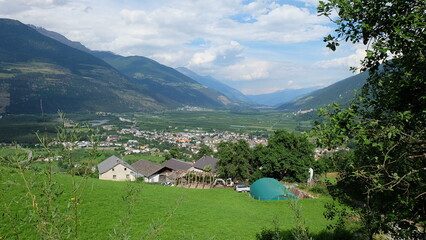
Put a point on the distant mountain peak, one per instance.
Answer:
(211, 82)
(60, 38)
(281, 96)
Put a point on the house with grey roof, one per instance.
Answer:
(176, 164)
(151, 172)
(116, 169)
(203, 162)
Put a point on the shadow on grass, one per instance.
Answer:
(276, 234)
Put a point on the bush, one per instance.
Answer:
(319, 189)
(273, 234)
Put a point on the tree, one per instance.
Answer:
(287, 156)
(387, 119)
(234, 160)
(174, 152)
(204, 151)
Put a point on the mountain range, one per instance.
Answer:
(341, 92)
(171, 87)
(279, 97)
(40, 74)
(43, 71)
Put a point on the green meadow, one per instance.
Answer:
(178, 213)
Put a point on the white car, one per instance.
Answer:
(242, 188)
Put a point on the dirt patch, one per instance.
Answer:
(332, 175)
(300, 194)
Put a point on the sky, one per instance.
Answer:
(255, 46)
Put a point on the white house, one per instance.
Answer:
(114, 168)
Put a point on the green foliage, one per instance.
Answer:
(334, 162)
(207, 168)
(50, 212)
(300, 231)
(234, 160)
(204, 151)
(130, 199)
(319, 189)
(287, 156)
(387, 120)
(174, 152)
(331, 213)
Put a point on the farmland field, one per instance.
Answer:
(245, 121)
(197, 213)
(22, 128)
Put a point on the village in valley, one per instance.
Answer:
(165, 120)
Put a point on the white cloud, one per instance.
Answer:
(311, 3)
(258, 91)
(248, 70)
(17, 6)
(221, 55)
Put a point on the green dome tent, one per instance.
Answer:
(270, 189)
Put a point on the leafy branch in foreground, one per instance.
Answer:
(123, 230)
(300, 231)
(386, 122)
(52, 212)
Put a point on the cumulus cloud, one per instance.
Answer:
(221, 55)
(249, 70)
(16, 6)
(352, 60)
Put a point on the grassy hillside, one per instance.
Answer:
(197, 214)
(341, 92)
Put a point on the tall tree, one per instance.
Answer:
(387, 120)
(234, 160)
(174, 152)
(204, 151)
(286, 157)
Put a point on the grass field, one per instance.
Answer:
(201, 214)
(136, 157)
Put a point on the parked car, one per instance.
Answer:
(242, 188)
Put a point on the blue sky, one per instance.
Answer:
(255, 46)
